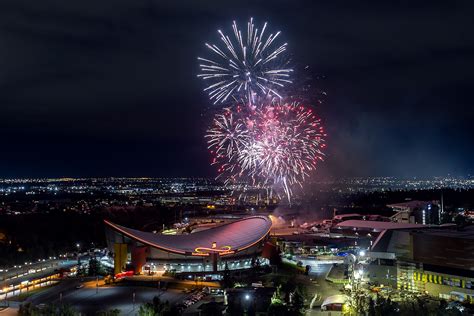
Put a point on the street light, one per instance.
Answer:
(78, 247)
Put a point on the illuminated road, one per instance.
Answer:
(53, 293)
(29, 269)
(41, 274)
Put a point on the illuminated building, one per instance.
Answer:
(418, 212)
(438, 261)
(235, 244)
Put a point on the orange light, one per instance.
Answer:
(204, 251)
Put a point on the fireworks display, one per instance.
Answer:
(247, 65)
(275, 146)
(259, 139)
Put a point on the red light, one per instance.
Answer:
(123, 274)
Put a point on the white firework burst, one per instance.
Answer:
(246, 67)
(227, 137)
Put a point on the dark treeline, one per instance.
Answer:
(29, 237)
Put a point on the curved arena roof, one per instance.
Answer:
(236, 236)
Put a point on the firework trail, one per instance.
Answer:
(247, 66)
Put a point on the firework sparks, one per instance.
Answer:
(276, 146)
(246, 66)
(227, 138)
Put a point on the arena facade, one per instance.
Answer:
(234, 244)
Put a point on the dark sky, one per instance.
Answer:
(99, 88)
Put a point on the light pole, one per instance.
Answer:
(6, 292)
(78, 246)
(247, 302)
(133, 300)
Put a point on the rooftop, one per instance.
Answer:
(410, 204)
(377, 225)
(335, 299)
(234, 236)
(450, 231)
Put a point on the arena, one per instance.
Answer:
(236, 244)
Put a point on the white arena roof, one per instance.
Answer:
(234, 236)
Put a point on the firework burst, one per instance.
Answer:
(291, 140)
(276, 146)
(227, 138)
(247, 66)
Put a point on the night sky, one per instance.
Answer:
(109, 88)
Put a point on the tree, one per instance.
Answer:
(156, 308)
(65, 310)
(112, 312)
(460, 221)
(212, 309)
(422, 311)
(146, 310)
(48, 310)
(226, 279)
(307, 269)
(371, 308)
(297, 302)
(388, 308)
(25, 309)
(379, 302)
(81, 271)
(258, 264)
(94, 267)
(442, 308)
(277, 309)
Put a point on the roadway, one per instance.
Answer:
(125, 298)
(323, 288)
(26, 270)
(53, 293)
(11, 283)
(88, 299)
(183, 283)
